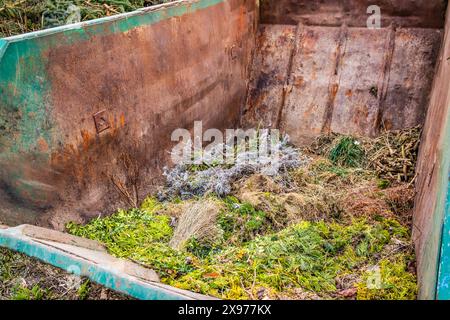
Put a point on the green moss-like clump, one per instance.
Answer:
(390, 280)
(241, 222)
(137, 234)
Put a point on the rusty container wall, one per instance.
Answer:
(87, 110)
(353, 13)
(319, 69)
(433, 173)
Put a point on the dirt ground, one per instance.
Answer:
(24, 278)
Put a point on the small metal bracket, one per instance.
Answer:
(101, 121)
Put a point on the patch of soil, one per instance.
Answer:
(25, 278)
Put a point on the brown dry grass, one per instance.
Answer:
(392, 155)
(321, 191)
(198, 220)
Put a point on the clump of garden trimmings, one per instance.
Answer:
(255, 262)
(328, 227)
(347, 152)
(139, 235)
(197, 221)
(392, 155)
(188, 180)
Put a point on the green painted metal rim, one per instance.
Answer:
(443, 285)
(168, 10)
(123, 283)
(3, 47)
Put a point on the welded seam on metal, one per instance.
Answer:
(12, 239)
(287, 87)
(385, 77)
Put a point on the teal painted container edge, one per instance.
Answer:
(3, 47)
(125, 21)
(443, 285)
(101, 275)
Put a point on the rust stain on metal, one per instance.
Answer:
(358, 71)
(335, 80)
(410, 78)
(383, 82)
(290, 80)
(315, 63)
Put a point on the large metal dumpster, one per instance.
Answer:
(87, 107)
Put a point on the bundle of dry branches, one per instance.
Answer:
(393, 155)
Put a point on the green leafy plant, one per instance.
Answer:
(241, 222)
(23, 293)
(137, 234)
(347, 152)
(83, 290)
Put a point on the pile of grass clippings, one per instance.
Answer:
(21, 16)
(312, 257)
(198, 220)
(24, 278)
(327, 228)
